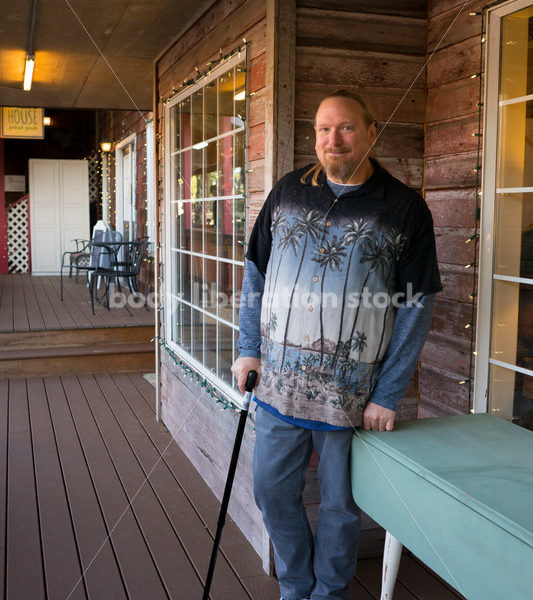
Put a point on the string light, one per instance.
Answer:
(201, 74)
(474, 237)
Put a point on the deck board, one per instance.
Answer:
(33, 303)
(24, 573)
(60, 553)
(188, 526)
(101, 573)
(138, 569)
(173, 565)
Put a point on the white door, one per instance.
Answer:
(59, 210)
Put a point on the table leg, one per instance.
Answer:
(391, 562)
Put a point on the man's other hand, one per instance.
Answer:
(242, 366)
(377, 417)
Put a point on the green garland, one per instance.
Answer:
(200, 75)
(193, 374)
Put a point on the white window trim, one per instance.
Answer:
(150, 186)
(211, 377)
(119, 176)
(488, 189)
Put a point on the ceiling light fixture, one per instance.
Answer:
(28, 71)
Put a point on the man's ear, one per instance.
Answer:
(373, 131)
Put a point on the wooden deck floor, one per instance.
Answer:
(98, 502)
(33, 303)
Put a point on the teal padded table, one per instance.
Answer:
(458, 492)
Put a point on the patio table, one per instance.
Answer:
(458, 492)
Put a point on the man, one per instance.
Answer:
(337, 302)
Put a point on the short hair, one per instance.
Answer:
(367, 116)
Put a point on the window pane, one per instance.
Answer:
(225, 166)
(186, 328)
(197, 110)
(210, 118)
(225, 290)
(210, 343)
(226, 92)
(238, 167)
(185, 123)
(237, 287)
(240, 96)
(210, 282)
(512, 394)
(175, 318)
(182, 163)
(225, 351)
(210, 231)
(514, 235)
(197, 175)
(196, 225)
(225, 228)
(186, 266)
(197, 335)
(516, 153)
(211, 170)
(513, 322)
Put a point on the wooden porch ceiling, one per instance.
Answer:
(97, 501)
(69, 70)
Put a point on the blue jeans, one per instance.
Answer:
(322, 567)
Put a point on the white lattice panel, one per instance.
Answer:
(94, 176)
(17, 237)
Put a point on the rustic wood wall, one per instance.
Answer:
(449, 185)
(207, 434)
(376, 49)
(117, 125)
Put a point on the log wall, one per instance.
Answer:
(376, 49)
(117, 125)
(203, 429)
(450, 157)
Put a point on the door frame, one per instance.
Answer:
(119, 181)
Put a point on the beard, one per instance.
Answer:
(341, 169)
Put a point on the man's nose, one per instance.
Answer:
(335, 137)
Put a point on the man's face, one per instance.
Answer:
(343, 139)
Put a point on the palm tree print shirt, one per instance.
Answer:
(335, 271)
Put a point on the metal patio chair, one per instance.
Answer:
(126, 268)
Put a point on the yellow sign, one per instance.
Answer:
(22, 122)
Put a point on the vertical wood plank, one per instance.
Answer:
(280, 85)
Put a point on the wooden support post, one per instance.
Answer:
(280, 85)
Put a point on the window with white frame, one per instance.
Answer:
(205, 162)
(504, 374)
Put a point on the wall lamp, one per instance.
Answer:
(106, 145)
